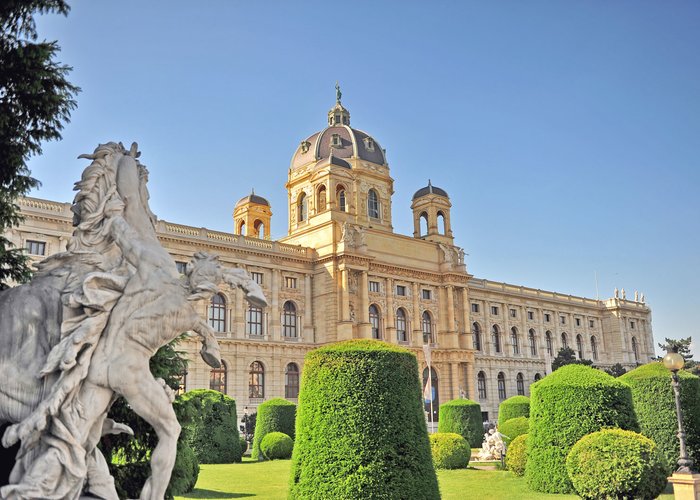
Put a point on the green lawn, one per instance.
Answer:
(269, 480)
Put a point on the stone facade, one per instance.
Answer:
(342, 273)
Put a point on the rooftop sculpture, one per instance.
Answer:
(83, 330)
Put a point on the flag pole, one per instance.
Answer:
(426, 353)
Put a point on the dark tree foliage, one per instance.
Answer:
(567, 356)
(35, 102)
(616, 370)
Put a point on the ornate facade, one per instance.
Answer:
(342, 273)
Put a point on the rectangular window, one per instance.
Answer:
(254, 321)
(374, 286)
(547, 317)
(562, 320)
(35, 247)
(427, 295)
(290, 282)
(181, 266)
(631, 325)
(401, 290)
(591, 323)
(494, 310)
(513, 313)
(257, 277)
(578, 321)
(530, 315)
(475, 308)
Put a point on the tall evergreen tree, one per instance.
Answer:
(35, 103)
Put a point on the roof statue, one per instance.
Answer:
(83, 330)
(338, 93)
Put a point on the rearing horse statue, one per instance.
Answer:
(83, 330)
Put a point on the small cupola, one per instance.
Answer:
(431, 214)
(338, 115)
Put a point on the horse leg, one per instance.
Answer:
(153, 402)
(210, 351)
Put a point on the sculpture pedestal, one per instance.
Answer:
(685, 486)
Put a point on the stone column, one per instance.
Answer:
(417, 333)
(363, 313)
(239, 308)
(274, 309)
(471, 382)
(390, 325)
(450, 308)
(308, 319)
(454, 375)
(344, 295)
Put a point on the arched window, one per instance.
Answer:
(548, 340)
(375, 322)
(256, 380)
(302, 207)
(431, 393)
(520, 384)
(291, 381)
(340, 196)
(423, 224)
(501, 386)
(514, 340)
(537, 377)
(564, 340)
(259, 228)
(217, 378)
(481, 385)
(241, 228)
(533, 343)
(427, 328)
(579, 346)
(372, 204)
(635, 350)
(321, 197)
(401, 334)
(442, 228)
(217, 313)
(476, 335)
(594, 348)
(254, 321)
(496, 336)
(289, 320)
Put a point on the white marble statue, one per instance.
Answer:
(493, 446)
(83, 330)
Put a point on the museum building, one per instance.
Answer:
(342, 273)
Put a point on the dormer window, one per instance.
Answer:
(335, 141)
(369, 143)
(305, 146)
(336, 121)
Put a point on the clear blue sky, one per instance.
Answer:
(566, 133)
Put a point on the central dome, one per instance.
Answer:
(338, 141)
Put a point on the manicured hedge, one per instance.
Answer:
(516, 456)
(571, 402)
(462, 416)
(214, 432)
(655, 406)
(450, 450)
(613, 463)
(513, 428)
(276, 445)
(361, 429)
(516, 406)
(275, 415)
(244, 445)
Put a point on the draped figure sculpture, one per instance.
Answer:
(81, 333)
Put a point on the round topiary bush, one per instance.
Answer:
(571, 402)
(276, 445)
(450, 450)
(462, 416)
(361, 430)
(513, 428)
(214, 432)
(275, 415)
(516, 455)
(655, 406)
(516, 406)
(613, 463)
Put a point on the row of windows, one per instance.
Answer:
(501, 381)
(547, 317)
(401, 325)
(218, 380)
(254, 318)
(401, 291)
(373, 207)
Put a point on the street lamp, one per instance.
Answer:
(674, 362)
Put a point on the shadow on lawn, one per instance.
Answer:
(202, 493)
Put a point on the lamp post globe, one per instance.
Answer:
(674, 362)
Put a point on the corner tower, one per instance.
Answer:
(338, 175)
(251, 217)
(431, 215)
